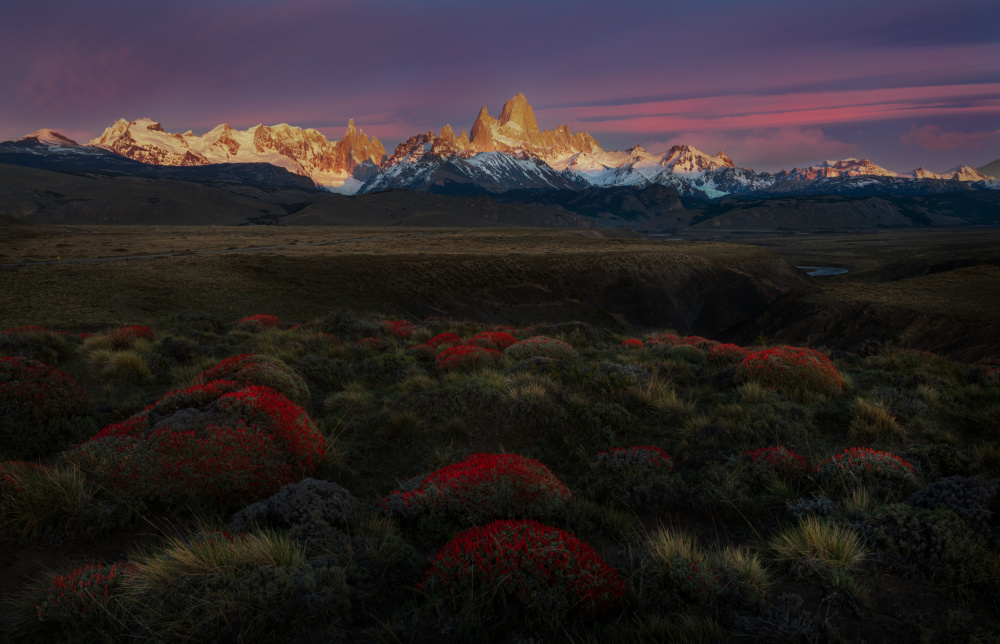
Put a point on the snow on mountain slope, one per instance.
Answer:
(335, 165)
(958, 173)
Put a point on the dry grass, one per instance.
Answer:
(47, 500)
(747, 567)
(818, 545)
(169, 565)
(871, 422)
(666, 545)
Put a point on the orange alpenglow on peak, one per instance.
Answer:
(517, 129)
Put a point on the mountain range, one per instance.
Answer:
(500, 154)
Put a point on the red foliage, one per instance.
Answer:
(727, 353)
(254, 441)
(87, 587)
(466, 356)
(790, 368)
(127, 335)
(257, 369)
(866, 463)
(442, 340)
(498, 340)
(484, 486)
(401, 329)
(523, 559)
(37, 403)
(781, 459)
(631, 343)
(258, 322)
(30, 328)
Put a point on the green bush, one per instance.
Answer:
(539, 345)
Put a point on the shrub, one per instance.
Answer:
(126, 336)
(258, 323)
(37, 343)
(684, 352)
(938, 460)
(480, 488)
(310, 510)
(930, 542)
(41, 409)
(466, 356)
(218, 445)
(537, 365)
(324, 372)
(83, 595)
(631, 343)
(498, 340)
(635, 476)
(617, 376)
(401, 329)
(256, 369)
(975, 500)
(422, 352)
(790, 369)
(547, 572)
(723, 354)
(540, 345)
(778, 459)
(865, 467)
(443, 340)
(817, 505)
(372, 344)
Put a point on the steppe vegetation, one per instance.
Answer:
(361, 477)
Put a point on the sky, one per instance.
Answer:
(774, 84)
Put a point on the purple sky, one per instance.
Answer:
(773, 83)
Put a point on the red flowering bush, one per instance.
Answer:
(443, 340)
(780, 460)
(480, 488)
(219, 445)
(466, 356)
(84, 591)
(257, 369)
(635, 476)
(372, 344)
(28, 328)
(41, 409)
(540, 345)
(790, 369)
(668, 339)
(401, 329)
(258, 323)
(631, 343)
(727, 354)
(126, 336)
(698, 341)
(496, 340)
(867, 467)
(548, 572)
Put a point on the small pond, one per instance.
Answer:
(819, 271)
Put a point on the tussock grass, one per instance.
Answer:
(752, 393)
(416, 381)
(871, 422)
(355, 397)
(181, 558)
(666, 545)
(818, 545)
(48, 501)
(747, 568)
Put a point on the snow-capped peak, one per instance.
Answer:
(687, 158)
(50, 138)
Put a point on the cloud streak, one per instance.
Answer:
(934, 138)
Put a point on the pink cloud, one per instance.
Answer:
(932, 137)
(748, 111)
(765, 149)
